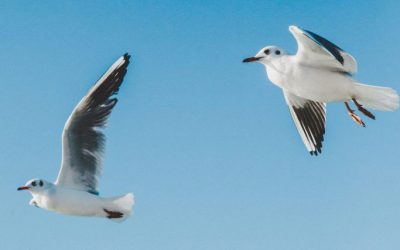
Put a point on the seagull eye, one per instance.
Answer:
(277, 52)
(266, 51)
(34, 183)
(41, 183)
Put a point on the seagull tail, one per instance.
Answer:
(119, 208)
(379, 98)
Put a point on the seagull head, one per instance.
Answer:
(35, 185)
(266, 55)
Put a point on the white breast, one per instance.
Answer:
(71, 202)
(316, 84)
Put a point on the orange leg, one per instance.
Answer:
(363, 110)
(353, 116)
(113, 214)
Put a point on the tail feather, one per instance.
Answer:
(119, 208)
(379, 98)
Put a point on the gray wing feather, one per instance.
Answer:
(82, 138)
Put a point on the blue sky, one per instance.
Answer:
(205, 142)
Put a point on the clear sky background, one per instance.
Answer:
(204, 141)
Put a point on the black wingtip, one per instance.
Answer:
(330, 46)
(315, 152)
(127, 56)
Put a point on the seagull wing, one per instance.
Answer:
(309, 118)
(82, 138)
(317, 51)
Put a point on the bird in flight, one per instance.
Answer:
(320, 73)
(75, 192)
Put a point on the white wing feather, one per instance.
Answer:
(317, 51)
(309, 118)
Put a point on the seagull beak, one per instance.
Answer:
(251, 59)
(23, 188)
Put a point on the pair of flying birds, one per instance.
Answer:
(319, 73)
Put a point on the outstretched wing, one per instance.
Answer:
(309, 118)
(82, 138)
(317, 51)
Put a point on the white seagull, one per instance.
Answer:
(75, 192)
(319, 73)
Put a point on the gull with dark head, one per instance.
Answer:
(75, 192)
(320, 72)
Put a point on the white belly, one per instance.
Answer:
(72, 202)
(314, 84)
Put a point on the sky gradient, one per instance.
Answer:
(204, 141)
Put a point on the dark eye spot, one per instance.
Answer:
(277, 52)
(41, 183)
(34, 183)
(266, 51)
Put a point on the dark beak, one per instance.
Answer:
(251, 59)
(23, 188)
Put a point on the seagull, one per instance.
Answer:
(75, 192)
(320, 73)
